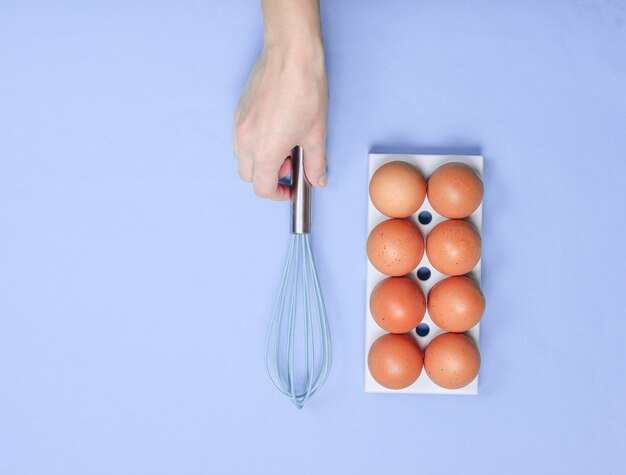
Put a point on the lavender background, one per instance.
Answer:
(137, 274)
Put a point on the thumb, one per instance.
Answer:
(315, 165)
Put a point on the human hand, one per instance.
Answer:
(284, 104)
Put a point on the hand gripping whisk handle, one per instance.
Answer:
(300, 194)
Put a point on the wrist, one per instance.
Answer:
(295, 52)
(293, 28)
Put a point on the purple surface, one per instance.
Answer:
(137, 274)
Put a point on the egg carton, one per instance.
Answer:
(426, 164)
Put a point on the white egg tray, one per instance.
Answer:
(426, 164)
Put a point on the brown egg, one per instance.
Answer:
(395, 361)
(397, 189)
(455, 190)
(397, 304)
(395, 247)
(453, 247)
(452, 360)
(456, 304)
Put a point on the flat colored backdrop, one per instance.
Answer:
(138, 274)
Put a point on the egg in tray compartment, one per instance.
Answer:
(424, 301)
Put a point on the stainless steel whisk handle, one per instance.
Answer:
(300, 194)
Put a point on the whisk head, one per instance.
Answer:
(298, 352)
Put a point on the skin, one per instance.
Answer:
(285, 102)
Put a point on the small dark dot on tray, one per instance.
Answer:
(423, 273)
(425, 217)
(422, 329)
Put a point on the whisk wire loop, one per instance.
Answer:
(299, 367)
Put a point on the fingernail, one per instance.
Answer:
(323, 180)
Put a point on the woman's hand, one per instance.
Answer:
(285, 101)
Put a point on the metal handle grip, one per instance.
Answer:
(300, 194)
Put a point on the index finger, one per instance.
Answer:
(265, 182)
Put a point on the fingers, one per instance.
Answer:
(315, 164)
(245, 170)
(245, 165)
(264, 171)
(269, 167)
(266, 183)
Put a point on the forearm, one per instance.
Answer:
(293, 26)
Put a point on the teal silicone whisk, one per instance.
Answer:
(298, 352)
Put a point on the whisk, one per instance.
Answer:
(298, 352)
